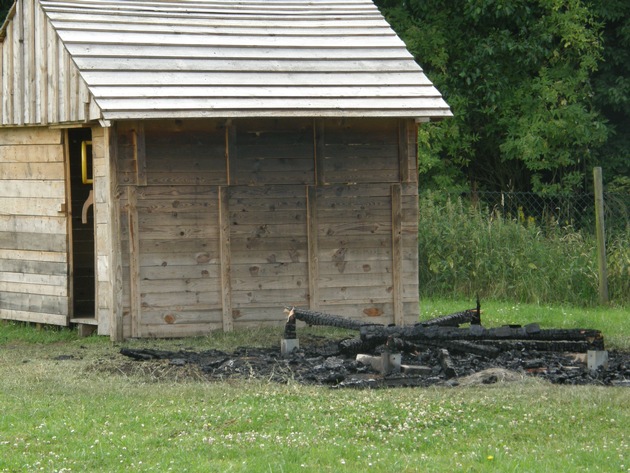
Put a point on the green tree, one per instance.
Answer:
(5, 6)
(611, 84)
(517, 74)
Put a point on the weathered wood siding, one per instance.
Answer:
(33, 226)
(39, 83)
(223, 223)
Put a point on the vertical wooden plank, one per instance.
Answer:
(84, 98)
(53, 76)
(601, 234)
(18, 65)
(73, 92)
(397, 254)
(231, 154)
(139, 153)
(7, 86)
(226, 259)
(318, 138)
(403, 150)
(313, 246)
(2, 83)
(113, 249)
(412, 145)
(134, 261)
(74, 97)
(65, 84)
(31, 62)
(42, 71)
(68, 214)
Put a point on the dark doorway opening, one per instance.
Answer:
(83, 265)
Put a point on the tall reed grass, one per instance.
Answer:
(466, 249)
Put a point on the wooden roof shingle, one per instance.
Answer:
(221, 58)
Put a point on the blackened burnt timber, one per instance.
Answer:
(470, 316)
(312, 317)
(379, 334)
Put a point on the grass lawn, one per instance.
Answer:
(67, 406)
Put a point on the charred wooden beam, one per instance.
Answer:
(448, 367)
(421, 333)
(354, 346)
(312, 317)
(290, 332)
(558, 346)
(470, 316)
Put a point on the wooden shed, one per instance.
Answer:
(168, 168)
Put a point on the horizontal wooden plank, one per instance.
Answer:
(41, 289)
(250, 269)
(122, 114)
(280, 256)
(179, 272)
(30, 136)
(263, 218)
(33, 255)
(185, 178)
(31, 154)
(32, 206)
(34, 317)
(205, 206)
(187, 159)
(177, 219)
(34, 278)
(32, 188)
(280, 232)
(140, 18)
(270, 296)
(24, 302)
(352, 228)
(185, 52)
(246, 65)
(179, 232)
(175, 318)
(177, 193)
(33, 224)
(35, 171)
(257, 103)
(260, 10)
(261, 283)
(166, 251)
(174, 286)
(181, 301)
(262, 29)
(218, 40)
(34, 272)
(179, 330)
(32, 241)
(154, 79)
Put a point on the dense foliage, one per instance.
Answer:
(539, 90)
(5, 6)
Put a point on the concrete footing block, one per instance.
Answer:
(287, 345)
(597, 358)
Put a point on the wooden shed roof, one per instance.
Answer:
(223, 58)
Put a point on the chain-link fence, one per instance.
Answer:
(522, 246)
(552, 211)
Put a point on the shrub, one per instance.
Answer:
(466, 250)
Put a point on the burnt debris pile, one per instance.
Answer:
(449, 350)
